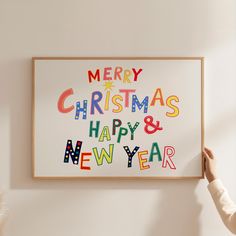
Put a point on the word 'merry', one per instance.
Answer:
(118, 73)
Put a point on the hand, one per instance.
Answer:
(209, 165)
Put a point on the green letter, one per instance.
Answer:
(155, 151)
(95, 129)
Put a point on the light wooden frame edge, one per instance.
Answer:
(116, 177)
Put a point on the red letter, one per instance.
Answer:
(61, 101)
(82, 167)
(136, 73)
(92, 76)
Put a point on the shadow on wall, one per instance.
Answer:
(177, 211)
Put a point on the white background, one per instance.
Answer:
(114, 28)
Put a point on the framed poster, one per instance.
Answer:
(134, 117)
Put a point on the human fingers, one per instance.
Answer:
(206, 160)
(205, 155)
(209, 152)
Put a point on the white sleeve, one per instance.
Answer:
(2, 210)
(225, 206)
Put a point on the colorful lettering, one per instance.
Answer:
(143, 160)
(61, 101)
(70, 152)
(157, 97)
(136, 73)
(169, 152)
(103, 153)
(94, 77)
(95, 101)
(119, 106)
(173, 107)
(81, 109)
(130, 154)
(83, 159)
(122, 132)
(132, 129)
(94, 129)
(105, 134)
(116, 123)
(135, 102)
(155, 151)
(127, 92)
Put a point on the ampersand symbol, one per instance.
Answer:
(153, 127)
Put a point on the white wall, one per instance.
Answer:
(114, 28)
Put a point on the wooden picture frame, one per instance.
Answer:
(179, 77)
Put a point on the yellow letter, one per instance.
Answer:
(119, 106)
(127, 74)
(169, 104)
(143, 160)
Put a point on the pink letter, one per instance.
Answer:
(127, 91)
(169, 152)
(107, 71)
(117, 72)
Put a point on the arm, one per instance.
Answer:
(225, 206)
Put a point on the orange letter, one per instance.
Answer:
(143, 160)
(117, 72)
(155, 98)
